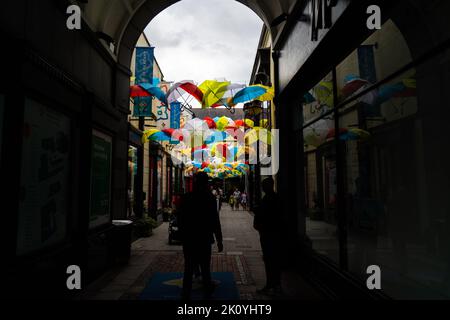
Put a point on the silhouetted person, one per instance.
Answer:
(199, 223)
(269, 225)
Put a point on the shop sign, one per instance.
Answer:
(321, 16)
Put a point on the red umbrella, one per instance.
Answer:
(138, 91)
(332, 132)
(353, 84)
(210, 122)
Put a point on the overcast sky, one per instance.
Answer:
(205, 39)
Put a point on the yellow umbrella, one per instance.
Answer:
(269, 95)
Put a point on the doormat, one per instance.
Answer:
(167, 286)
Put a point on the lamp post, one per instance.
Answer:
(253, 110)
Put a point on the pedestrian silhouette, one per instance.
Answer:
(269, 226)
(198, 224)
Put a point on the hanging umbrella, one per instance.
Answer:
(308, 98)
(210, 122)
(227, 96)
(404, 89)
(268, 95)
(137, 91)
(215, 136)
(349, 134)
(352, 84)
(213, 91)
(324, 93)
(155, 91)
(183, 88)
(249, 94)
(316, 134)
(223, 122)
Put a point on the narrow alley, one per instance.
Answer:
(242, 257)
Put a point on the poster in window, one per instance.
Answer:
(43, 206)
(100, 179)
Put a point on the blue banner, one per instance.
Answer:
(143, 107)
(144, 74)
(144, 65)
(175, 114)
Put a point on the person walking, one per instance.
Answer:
(237, 198)
(244, 200)
(270, 231)
(199, 223)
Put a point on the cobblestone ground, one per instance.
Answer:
(242, 256)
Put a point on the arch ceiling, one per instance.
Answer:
(125, 20)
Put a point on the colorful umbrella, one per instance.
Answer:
(324, 93)
(316, 134)
(352, 84)
(182, 88)
(249, 94)
(155, 91)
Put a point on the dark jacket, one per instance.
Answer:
(198, 219)
(268, 220)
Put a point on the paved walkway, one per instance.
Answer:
(241, 255)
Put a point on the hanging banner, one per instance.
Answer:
(144, 64)
(144, 74)
(175, 114)
(143, 107)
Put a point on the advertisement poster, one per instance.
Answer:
(100, 179)
(43, 206)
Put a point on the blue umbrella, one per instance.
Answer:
(216, 136)
(155, 91)
(308, 98)
(388, 91)
(248, 94)
(160, 136)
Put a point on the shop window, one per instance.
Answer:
(45, 191)
(395, 173)
(320, 169)
(101, 160)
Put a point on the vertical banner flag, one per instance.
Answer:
(143, 74)
(175, 113)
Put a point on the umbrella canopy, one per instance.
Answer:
(227, 97)
(352, 84)
(324, 93)
(137, 91)
(316, 134)
(308, 98)
(249, 94)
(347, 134)
(155, 91)
(404, 89)
(213, 91)
(185, 87)
(269, 95)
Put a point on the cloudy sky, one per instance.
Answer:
(205, 39)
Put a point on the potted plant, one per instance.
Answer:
(143, 227)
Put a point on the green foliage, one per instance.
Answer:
(144, 227)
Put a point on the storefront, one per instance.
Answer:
(373, 173)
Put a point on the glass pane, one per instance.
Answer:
(44, 175)
(320, 170)
(396, 178)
